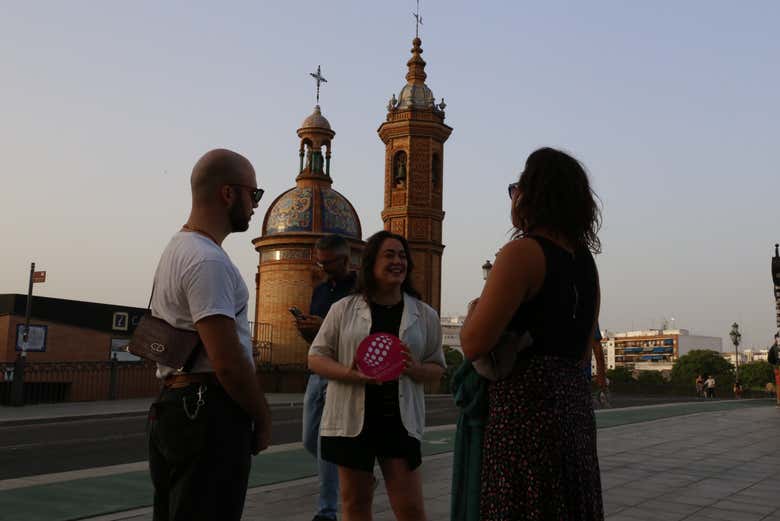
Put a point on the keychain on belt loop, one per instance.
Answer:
(201, 389)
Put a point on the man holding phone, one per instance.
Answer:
(332, 255)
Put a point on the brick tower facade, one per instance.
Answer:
(414, 134)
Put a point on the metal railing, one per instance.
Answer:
(674, 389)
(262, 342)
(24, 382)
(46, 382)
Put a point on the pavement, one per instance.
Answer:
(698, 460)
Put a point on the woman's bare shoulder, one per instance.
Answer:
(522, 248)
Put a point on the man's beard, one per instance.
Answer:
(237, 217)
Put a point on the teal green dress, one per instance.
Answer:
(470, 391)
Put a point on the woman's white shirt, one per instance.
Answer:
(348, 322)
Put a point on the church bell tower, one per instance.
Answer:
(414, 134)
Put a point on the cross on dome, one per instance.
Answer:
(319, 79)
(418, 20)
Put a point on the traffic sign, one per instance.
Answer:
(38, 276)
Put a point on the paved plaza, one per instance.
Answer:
(699, 461)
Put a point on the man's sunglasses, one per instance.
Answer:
(513, 187)
(255, 193)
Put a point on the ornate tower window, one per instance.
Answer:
(399, 170)
(316, 160)
(304, 151)
(436, 172)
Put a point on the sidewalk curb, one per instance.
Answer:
(58, 419)
(142, 412)
(104, 415)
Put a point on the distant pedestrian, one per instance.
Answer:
(596, 352)
(737, 390)
(364, 422)
(699, 387)
(539, 457)
(709, 384)
(332, 256)
(212, 416)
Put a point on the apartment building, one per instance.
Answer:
(747, 355)
(653, 349)
(450, 331)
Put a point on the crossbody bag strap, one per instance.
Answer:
(149, 306)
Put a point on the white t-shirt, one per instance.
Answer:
(710, 382)
(196, 279)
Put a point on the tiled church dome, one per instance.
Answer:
(312, 209)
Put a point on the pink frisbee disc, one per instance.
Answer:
(380, 356)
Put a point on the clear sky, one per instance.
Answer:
(672, 106)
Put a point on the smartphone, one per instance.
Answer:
(297, 313)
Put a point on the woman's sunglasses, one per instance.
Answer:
(512, 188)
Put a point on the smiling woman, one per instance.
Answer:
(363, 421)
(386, 260)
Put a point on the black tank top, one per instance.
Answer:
(561, 315)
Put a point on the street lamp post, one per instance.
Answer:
(17, 387)
(486, 269)
(736, 337)
(776, 347)
(776, 281)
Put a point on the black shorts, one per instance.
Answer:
(382, 437)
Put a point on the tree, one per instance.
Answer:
(756, 374)
(705, 363)
(453, 358)
(650, 377)
(620, 375)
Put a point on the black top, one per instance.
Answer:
(383, 399)
(561, 315)
(386, 319)
(330, 292)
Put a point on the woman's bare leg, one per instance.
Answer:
(404, 489)
(357, 494)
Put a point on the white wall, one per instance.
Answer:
(688, 343)
(754, 355)
(450, 336)
(609, 348)
(609, 351)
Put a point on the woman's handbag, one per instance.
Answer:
(499, 362)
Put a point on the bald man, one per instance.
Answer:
(212, 415)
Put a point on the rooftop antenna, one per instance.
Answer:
(418, 21)
(320, 79)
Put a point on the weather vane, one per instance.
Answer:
(419, 20)
(318, 76)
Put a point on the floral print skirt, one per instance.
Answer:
(539, 458)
